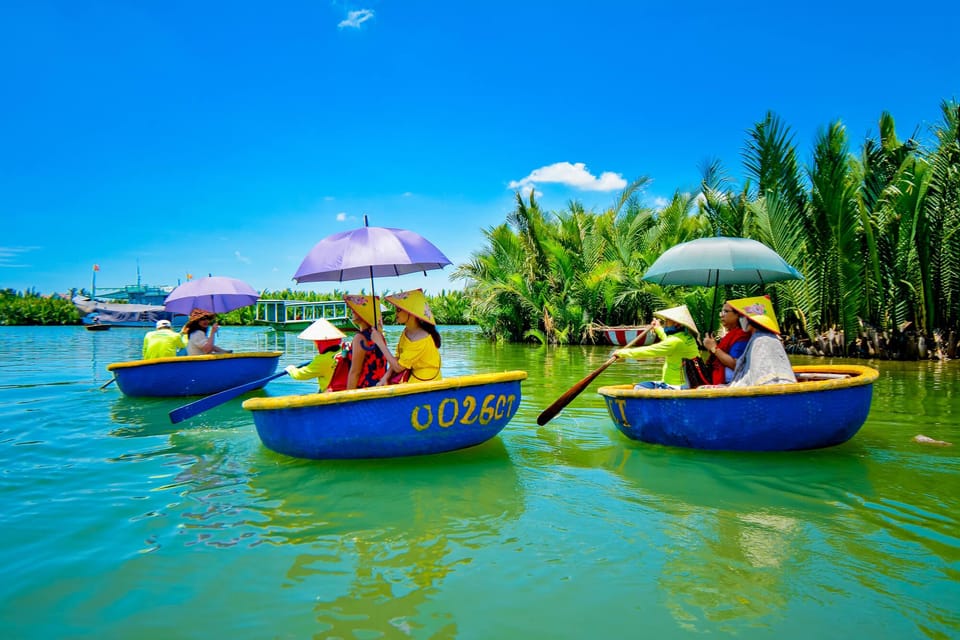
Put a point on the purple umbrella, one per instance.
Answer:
(369, 252)
(213, 293)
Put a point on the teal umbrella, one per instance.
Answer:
(710, 262)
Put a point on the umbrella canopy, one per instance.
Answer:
(709, 262)
(213, 293)
(369, 252)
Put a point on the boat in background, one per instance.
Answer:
(136, 305)
(297, 315)
(825, 407)
(193, 375)
(622, 335)
(416, 418)
(96, 326)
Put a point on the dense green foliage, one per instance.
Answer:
(873, 234)
(31, 308)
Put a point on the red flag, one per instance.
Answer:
(96, 267)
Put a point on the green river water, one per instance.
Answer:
(118, 524)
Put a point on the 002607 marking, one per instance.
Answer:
(464, 410)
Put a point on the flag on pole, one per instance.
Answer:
(96, 267)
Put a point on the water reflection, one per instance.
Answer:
(734, 529)
(386, 533)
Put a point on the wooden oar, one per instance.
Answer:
(209, 402)
(108, 383)
(551, 412)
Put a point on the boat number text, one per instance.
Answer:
(466, 410)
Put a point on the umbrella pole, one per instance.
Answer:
(713, 305)
(376, 307)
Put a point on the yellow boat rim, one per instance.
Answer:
(848, 375)
(374, 393)
(208, 356)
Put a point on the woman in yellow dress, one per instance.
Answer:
(418, 351)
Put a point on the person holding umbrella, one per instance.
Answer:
(725, 352)
(677, 340)
(368, 363)
(201, 330)
(418, 351)
(764, 361)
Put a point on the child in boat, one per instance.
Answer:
(163, 342)
(764, 361)
(328, 339)
(418, 351)
(366, 351)
(677, 340)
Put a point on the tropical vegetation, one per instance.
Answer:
(32, 308)
(873, 232)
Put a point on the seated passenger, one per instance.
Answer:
(201, 330)
(764, 361)
(418, 351)
(677, 340)
(163, 342)
(328, 339)
(367, 360)
(724, 354)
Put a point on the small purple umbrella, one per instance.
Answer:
(216, 294)
(369, 252)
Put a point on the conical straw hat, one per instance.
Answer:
(414, 303)
(322, 330)
(681, 315)
(758, 309)
(364, 307)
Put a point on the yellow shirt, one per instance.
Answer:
(673, 349)
(422, 357)
(162, 343)
(321, 368)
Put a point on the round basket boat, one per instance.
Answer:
(384, 422)
(193, 375)
(825, 407)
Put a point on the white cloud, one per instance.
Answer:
(241, 258)
(356, 18)
(341, 217)
(572, 175)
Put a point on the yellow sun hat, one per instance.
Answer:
(680, 315)
(414, 303)
(758, 309)
(363, 306)
(322, 330)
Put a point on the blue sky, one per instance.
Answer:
(229, 138)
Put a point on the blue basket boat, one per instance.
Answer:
(193, 375)
(384, 422)
(825, 407)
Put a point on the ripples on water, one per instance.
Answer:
(117, 523)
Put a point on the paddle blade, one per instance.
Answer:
(205, 404)
(551, 412)
(558, 405)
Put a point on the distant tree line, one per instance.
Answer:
(32, 308)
